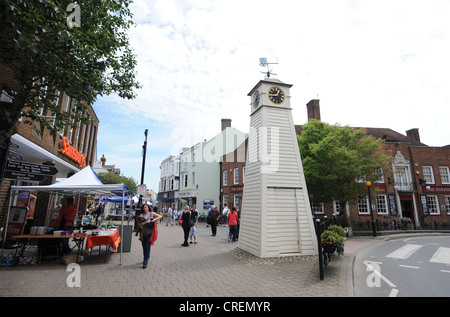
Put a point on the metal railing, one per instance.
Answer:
(401, 225)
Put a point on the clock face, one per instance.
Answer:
(276, 95)
(256, 98)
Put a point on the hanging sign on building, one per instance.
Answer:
(28, 171)
(72, 152)
(30, 168)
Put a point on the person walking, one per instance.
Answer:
(147, 222)
(232, 224)
(98, 212)
(185, 217)
(214, 216)
(170, 216)
(193, 229)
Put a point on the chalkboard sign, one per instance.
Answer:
(423, 200)
(392, 205)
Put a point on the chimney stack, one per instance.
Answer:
(313, 109)
(226, 123)
(413, 134)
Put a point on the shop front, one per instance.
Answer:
(187, 197)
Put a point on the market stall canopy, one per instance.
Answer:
(85, 182)
(117, 199)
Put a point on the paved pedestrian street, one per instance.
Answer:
(211, 268)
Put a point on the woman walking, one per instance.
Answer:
(185, 224)
(232, 224)
(148, 221)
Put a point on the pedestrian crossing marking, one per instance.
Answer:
(442, 255)
(404, 252)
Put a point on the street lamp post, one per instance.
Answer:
(368, 184)
(144, 150)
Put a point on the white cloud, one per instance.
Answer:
(377, 64)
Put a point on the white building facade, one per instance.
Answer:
(169, 182)
(200, 168)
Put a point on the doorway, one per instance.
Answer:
(407, 207)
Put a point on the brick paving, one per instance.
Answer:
(208, 269)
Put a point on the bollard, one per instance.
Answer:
(319, 245)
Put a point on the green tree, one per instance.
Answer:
(46, 54)
(336, 159)
(111, 178)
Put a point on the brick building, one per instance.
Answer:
(67, 150)
(232, 177)
(418, 187)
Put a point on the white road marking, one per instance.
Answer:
(442, 255)
(393, 292)
(404, 252)
(409, 266)
(367, 263)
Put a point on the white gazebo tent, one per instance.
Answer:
(85, 182)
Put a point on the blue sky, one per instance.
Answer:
(371, 63)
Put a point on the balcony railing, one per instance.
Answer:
(403, 186)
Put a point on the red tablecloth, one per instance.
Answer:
(112, 240)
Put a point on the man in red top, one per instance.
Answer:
(67, 216)
(232, 224)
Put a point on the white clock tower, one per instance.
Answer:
(276, 218)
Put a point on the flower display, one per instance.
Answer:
(334, 239)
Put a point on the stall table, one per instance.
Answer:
(111, 239)
(77, 238)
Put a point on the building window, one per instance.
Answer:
(225, 178)
(243, 175)
(379, 172)
(338, 208)
(236, 176)
(401, 177)
(445, 175)
(433, 205)
(66, 109)
(363, 206)
(382, 205)
(185, 180)
(225, 200)
(236, 200)
(447, 203)
(428, 174)
(317, 208)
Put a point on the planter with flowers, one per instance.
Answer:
(333, 239)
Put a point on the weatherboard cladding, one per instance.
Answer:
(285, 228)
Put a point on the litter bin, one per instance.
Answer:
(125, 238)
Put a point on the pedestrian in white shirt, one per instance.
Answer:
(225, 210)
(170, 216)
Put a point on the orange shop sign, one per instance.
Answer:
(72, 152)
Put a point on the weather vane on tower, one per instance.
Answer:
(263, 63)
